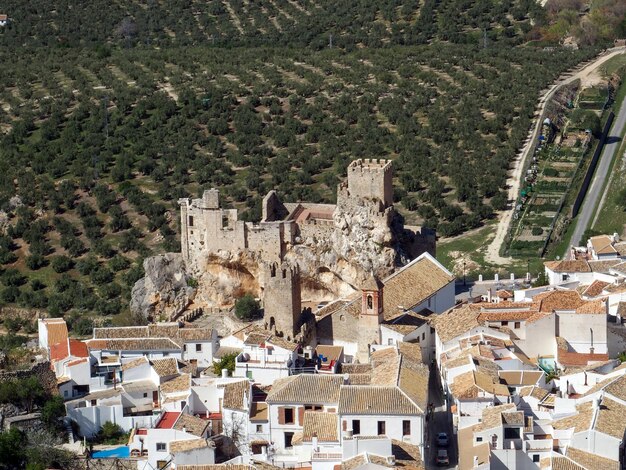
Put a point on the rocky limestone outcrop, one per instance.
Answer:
(334, 261)
(164, 291)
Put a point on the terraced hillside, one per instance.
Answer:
(102, 131)
(284, 22)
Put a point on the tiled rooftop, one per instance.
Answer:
(371, 400)
(413, 284)
(191, 424)
(323, 425)
(306, 389)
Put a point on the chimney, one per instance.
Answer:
(224, 373)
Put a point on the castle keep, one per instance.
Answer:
(207, 228)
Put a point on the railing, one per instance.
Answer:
(326, 456)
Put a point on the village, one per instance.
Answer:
(402, 372)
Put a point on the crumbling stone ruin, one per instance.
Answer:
(333, 247)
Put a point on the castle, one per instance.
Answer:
(361, 222)
(207, 228)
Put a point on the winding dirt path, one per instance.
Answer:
(588, 74)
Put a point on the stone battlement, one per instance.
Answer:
(370, 164)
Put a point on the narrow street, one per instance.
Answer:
(439, 421)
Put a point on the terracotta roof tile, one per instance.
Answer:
(413, 284)
(591, 461)
(166, 366)
(191, 424)
(306, 389)
(492, 416)
(323, 425)
(78, 348)
(236, 395)
(178, 384)
(595, 288)
(372, 400)
(563, 463)
(581, 421)
(611, 418)
(568, 266)
(57, 330)
(413, 382)
(189, 445)
(455, 322)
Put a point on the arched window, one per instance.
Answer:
(370, 302)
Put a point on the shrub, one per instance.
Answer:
(62, 264)
(247, 308)
(226, 362)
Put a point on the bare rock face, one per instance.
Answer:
(163, 293)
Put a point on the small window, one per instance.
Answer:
(381, 428)
(518, 324)
(369, 302)
(429, 303)
(198, 347)
(94, 402)
(145, 394)
(161, 446)
(225, 221)
(479, 439)
(288, 439)
(423, 336)
(504, 323)
(165, 354)
(390, 341)
(259, 428)
(406, 427)
(289, 416)
(191, 220)
(356, 427)
(65, 393)
(184, 347)
(536, 458)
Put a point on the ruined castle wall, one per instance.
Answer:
(272, 208)
(267, 239)
(317, 229)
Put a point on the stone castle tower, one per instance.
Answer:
(282, 299)
(371, 316)
(371, 179)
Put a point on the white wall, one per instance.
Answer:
(393, 426)
(204, 356)
(540, 336)
(577, 329)
(203, 456)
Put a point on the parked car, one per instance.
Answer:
(442, 439)
(442, 457)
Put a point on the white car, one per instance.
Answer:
(442, 439)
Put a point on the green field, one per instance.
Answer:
(104, 125)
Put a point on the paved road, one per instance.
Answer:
(439, 421)
(599, 181)
(586, 70)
